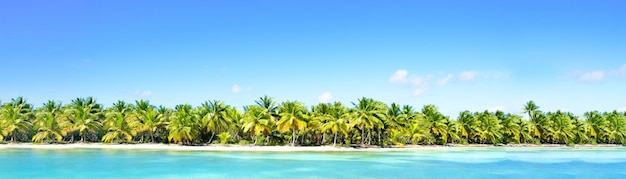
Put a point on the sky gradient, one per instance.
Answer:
(458, 55)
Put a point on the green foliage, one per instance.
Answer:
(292, 118)
(224, 137)
(119, 127)
(213, 117)
(244, 142)
(367, 122)
(15, 118)
(49, 124)
(184, 125)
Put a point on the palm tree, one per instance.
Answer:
(292, 117)
(454, 128)
(394, 116)
(269, 104)
(469, 126)
(417, 132)
(512, 129)
(407, 115)
(118, 124)
(314, 122)
(318, 116)
(256, 121)
(14, 118)
(235, 117)
(393, 119)
(48, 123)
(526, 131)
(542, 126)
(597, 125)
(435, 122)
(490, 127)
(117, 128)
(562, 128)
(617, 127)
(337, 121)
(393, 124)
(539, 122)
(214, 117)
(84, 115)
(369, 114)
(149, 119)
(184, 126)
(580, 130)
(531, 109)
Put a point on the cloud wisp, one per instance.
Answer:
(236, 89)
(421, 84)
(467, 75)
(143, 93)
(325, 97)
(599, 75)
(418, 83)
(445, 80)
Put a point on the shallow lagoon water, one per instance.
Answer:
(435, 163)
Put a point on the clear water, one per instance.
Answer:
(445, 163)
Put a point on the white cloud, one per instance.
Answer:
(402, 78)
(236, 89)
(623, 109)
(399, 77)
(445, 80)
(420, 84)
(418, 81)
(592, 76)
(497, 108)
(599, 75)
(468, 75)
(419, 91)
(621, 71)
(325, 97)
(142, 93)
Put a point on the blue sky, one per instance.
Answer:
(458, 55)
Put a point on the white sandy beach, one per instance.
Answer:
(171, 147)
(289, 148)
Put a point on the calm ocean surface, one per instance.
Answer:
(445, 163)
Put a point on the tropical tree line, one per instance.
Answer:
(268, 122)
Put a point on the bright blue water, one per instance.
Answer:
(445, 163)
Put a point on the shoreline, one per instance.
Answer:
(246, 148)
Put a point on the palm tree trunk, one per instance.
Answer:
(335, 140)
(350, 135)
(378, 137)
(293, 137)
(362, 135)
(151, 137)
(369, 137)
(211, 139)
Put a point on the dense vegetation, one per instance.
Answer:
(366, 122)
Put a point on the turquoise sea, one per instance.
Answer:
(444, 163)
